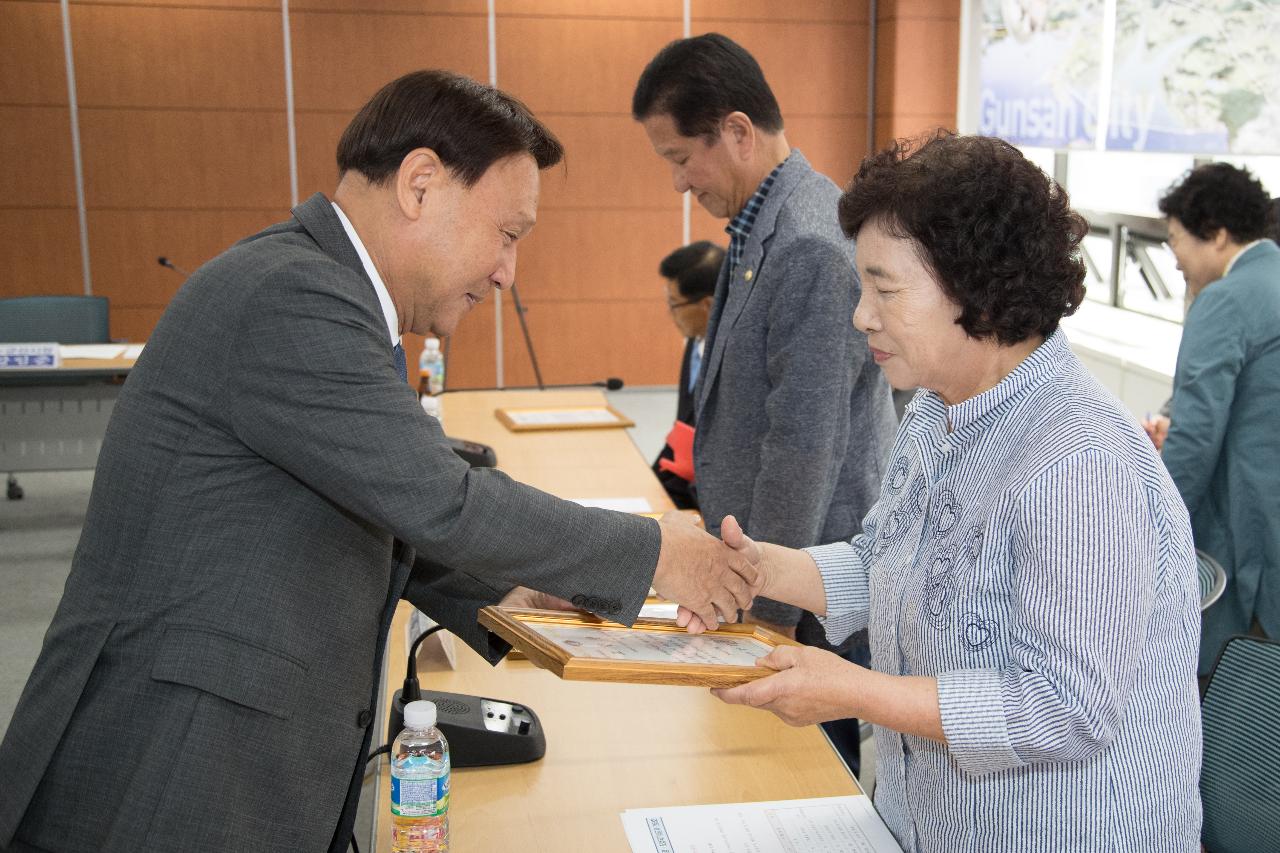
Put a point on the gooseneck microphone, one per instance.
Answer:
(613, 383)
(165, 262)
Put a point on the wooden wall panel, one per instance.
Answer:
(133, 324)
(438, 7)
(35, 71)
(471, 351)
(40, 252)
(318, 134)
(772, 10)
(596, 255)
(913, 97)
(634, 340)
(184, 139)
(608, 217)
(633, 9)
(175, 57)
(236, 4)
(148, 159)
(830, 80)
(341, 59)
(608, 163)
(124, 245)
(835, 145)
(577, 65)
(35, 143)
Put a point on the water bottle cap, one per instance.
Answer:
(432, 343)
(420, 714)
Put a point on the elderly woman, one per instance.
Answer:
(1027, 574)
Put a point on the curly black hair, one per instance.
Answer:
(1219, 195)
(998, 234)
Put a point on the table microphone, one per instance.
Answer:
(613, 383)
(165, 262)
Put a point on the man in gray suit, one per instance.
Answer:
(795, 421)
(269, 489)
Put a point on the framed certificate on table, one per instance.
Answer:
(580, 647)
(562, 417)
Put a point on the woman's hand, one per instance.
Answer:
(732, 535)
(1157, 429)
(811, 686)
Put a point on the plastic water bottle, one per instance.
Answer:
(431, 368)
(420, 784)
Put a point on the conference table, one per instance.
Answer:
(54, 418)
(610, 747)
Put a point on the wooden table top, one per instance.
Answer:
(610, 747)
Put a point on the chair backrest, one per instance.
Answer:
(1240, 780)
(1213, 579)
(64, 319)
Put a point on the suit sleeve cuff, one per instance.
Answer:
(973, 720)
(844, 577)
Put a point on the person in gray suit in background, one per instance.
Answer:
(268, 490)
(794, 420)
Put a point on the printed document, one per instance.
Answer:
(822, 825)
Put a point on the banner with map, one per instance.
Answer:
(1190, 76)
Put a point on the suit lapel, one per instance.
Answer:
(732, 296)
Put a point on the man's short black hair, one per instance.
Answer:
(469, 125)
(700, 80)
(998, 234)
(694, 268)
(1219, 195)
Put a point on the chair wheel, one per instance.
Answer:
(14, 492)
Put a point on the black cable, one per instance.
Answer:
(410, 689)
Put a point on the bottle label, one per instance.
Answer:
(419, 797)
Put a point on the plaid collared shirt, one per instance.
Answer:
(739, 228)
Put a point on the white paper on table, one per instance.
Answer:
(619, 504)
(820, 825)
(561, 417)
(70, 351)
(133, 351)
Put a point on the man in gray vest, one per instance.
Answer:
(794, 420)
(269, 489)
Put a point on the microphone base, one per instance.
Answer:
(475, 454)
(481, 732)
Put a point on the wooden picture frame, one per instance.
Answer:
(577, 646)
(539, 418)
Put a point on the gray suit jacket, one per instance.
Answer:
(795, 420)
(268, 489)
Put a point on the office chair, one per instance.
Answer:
(1213, 579)
(1240, 779)
(40, 319)
(65, 319)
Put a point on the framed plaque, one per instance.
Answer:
(529, 419)
(579, 647)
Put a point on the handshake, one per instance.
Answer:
(710, 579)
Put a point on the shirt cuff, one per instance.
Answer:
(844, 577)
(973, 720)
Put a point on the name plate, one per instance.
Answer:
(19, 356)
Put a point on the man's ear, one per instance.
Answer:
(420, 174)
(738, 134)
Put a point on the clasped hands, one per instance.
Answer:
(709, 579)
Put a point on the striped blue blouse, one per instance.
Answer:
(1037, 560)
